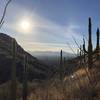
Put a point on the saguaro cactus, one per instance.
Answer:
(97, 46)
(90, 50)
(13, 81)
(61, 66)
(25, 78)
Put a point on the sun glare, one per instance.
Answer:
(25, 26)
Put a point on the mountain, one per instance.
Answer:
(50, 57)
(36, 69)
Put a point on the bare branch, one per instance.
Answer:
(76, 42)
(71, 49)
(4, 13)
(1, 24)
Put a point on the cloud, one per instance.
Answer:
(36, 46)
(46, 34)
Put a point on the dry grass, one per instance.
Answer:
(71, 89)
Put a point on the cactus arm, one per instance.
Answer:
(84, 49)
(97, 45)
(98, 34)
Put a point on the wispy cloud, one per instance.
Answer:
(36, 46)
(46, 33)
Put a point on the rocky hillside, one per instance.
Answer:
(36, 69)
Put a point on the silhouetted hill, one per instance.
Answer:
(36, 68)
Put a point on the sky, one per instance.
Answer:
(52, 23)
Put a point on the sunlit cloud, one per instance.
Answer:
(36, 46)
(45, 34)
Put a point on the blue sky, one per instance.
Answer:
(53, 22)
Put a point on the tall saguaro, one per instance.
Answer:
(90, 50)
(13, 81)
(61, 66)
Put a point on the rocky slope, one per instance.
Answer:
(36, 69)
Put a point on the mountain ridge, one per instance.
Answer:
(51, 57)
(36, 68)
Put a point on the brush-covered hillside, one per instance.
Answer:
(36, 69)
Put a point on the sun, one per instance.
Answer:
(25, 26)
